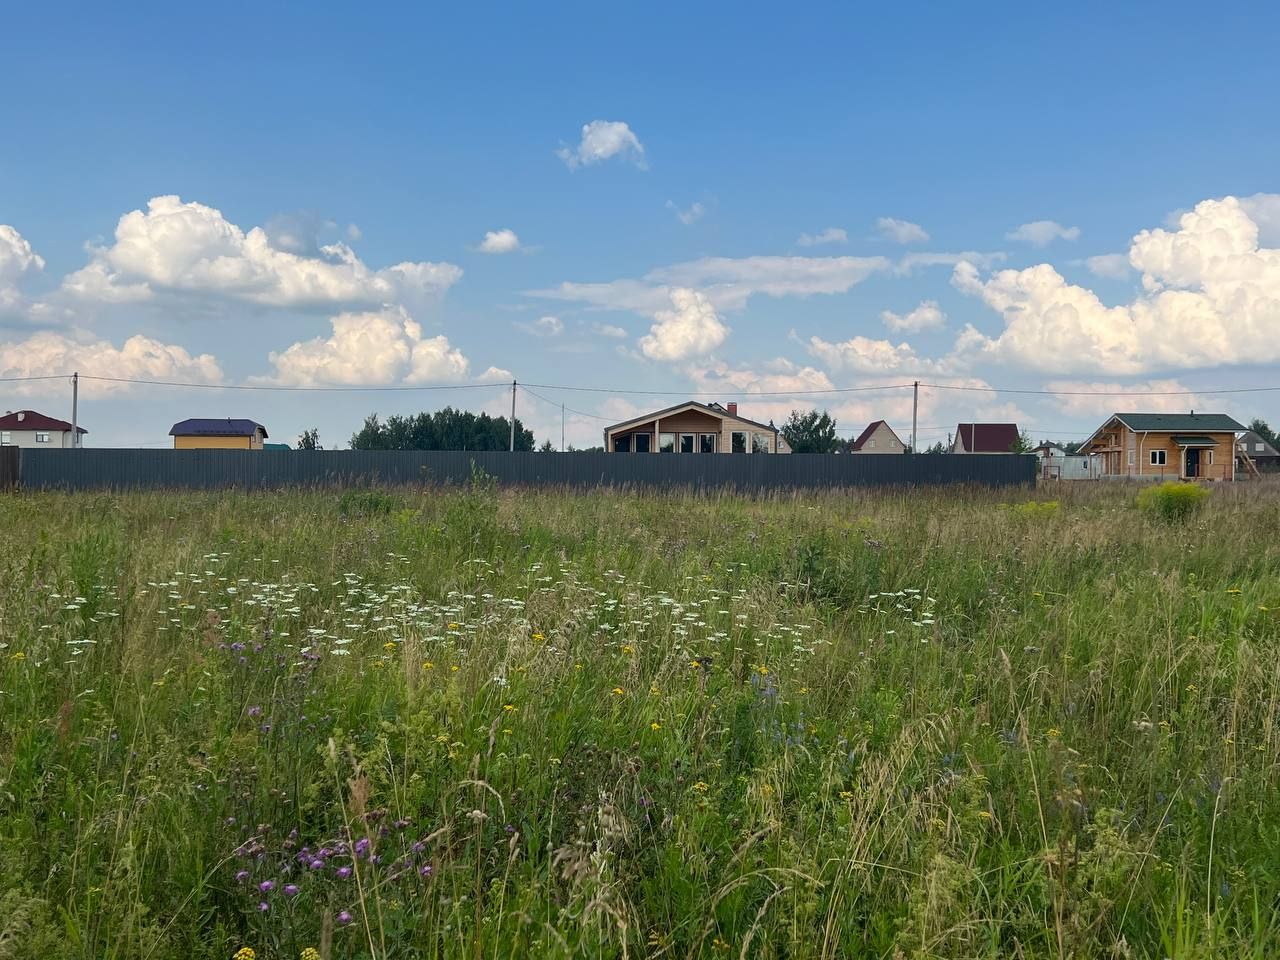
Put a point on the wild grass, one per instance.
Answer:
(540, 724)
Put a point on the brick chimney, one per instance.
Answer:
(732, 408)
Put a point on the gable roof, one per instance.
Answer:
(1249, 438)
(713, 409)
(200, 427)
(31, 420)
(865, 435)
(1169, 422)
(987, 437)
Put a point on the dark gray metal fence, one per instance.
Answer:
(105, 469)
(8, 468)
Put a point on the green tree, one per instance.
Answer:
(547, 447)
(310, 440)
(938, 447)
(811, 432)
(446, 429)
(1022, 444)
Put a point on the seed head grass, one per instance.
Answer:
(488, 723)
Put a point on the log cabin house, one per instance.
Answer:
(1165, 446)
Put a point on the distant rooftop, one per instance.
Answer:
(31, 420)
(200, 427)
(1168, 422)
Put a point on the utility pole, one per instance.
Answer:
(562, 428)
(513, 416)
(75, 409)
(915, 409)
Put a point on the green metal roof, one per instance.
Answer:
(1169, 422)
(1183, 440)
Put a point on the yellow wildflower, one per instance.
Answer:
(846, 794)
(377, 664)
(310, 953)
(19, 656)
(1053, 733)
(628, 648)
(701, 787)
(452, 626)
(719, 945)
(389, 645)
(655, 726)
(539, 637)
(454, 668)
(1234, 590)
(984, 815)
(509, 707)
(653, 689)
(428, 665)
(762, 670)
(618, 691)
(244, 953)
(766, 789)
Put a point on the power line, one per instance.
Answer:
(404, 388)
(581, 413)
(719, 393)
(1101, 393)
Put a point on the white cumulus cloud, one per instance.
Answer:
(602, 139)
(901, 231)
(829, 235)
(385, 346)
(1113, 265)
(1041, 233)
(1099, 399)
(16, 260)
(689, 215)
(193, 248)
(139, 358)
(1211, 297)
(861, 354)
(609, 330)
(689, 329)
(543, 327)
(499, 241)
(927, 316)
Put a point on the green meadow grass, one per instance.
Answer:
(507, 724)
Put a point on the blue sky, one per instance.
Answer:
(673, 160)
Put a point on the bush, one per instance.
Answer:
(366, 503)
(1172, 500)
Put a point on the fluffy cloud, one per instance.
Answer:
(908, 263)
(829, 235)
(1113, 265)
(727, 282)
(602, 139)
(1211, 297)
(927, 316)
(1094, 399)
(16, 259)
(499, 241)
(1041, 233)
(864, 355)
(141, 358)
(189, 247)
(689, 329)
(730, 282)
(543, 326)
(1264, 210)
(690, 215)
(901, 231)
(609, 330)
(385, 346)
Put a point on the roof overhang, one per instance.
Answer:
(1185, 440)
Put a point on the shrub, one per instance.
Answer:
(1172, 500)
(366, 503)
(1037, 509)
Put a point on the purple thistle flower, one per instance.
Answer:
(290, 889)
(242, 876)
(266, 886)
(317, 864)
(344, 872)
(344, 918)
(425, 870)
(255, 711)
(263, 907)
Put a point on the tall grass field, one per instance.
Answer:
(504, 724)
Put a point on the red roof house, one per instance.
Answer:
(985, 438)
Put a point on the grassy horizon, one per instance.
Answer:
(485, 723)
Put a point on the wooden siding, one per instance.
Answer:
(214, 443)
(695, 422)
(1127, 453)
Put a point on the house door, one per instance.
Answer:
(1193, 462)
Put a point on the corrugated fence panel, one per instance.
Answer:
(106, 469)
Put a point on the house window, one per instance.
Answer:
(871, 442)
(739, 439)
(642, 442)
(42, 437)
(1132, 457)
(708, 443)
(892, 443)
(1258, 448)
(621, 444)
(666, 443)
(759, 443)
(5, 439)
(1210, 453)
(687, 441)
(1158, 458)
